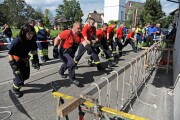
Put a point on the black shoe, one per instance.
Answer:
(63, 75)
(16, 92)
(99, 67)
(90, 62)
(75, 82)
(111, 63)
(76, 66)
(47, 58)
(22, 84)
(120, 54)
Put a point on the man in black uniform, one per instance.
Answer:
(19, 59)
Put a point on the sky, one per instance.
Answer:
(88, 6)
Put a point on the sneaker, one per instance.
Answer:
(17, 92)
(75, 82)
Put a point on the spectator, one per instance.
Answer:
(158, 32)
(7, 32)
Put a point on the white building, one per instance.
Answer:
(114, 10)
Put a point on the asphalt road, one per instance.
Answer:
(37, 102)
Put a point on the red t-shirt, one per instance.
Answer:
(110, 30)
(119, 32)
(89, 32)
(131, 34)
(100, 34)
(67, 39)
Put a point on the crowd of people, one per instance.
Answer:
(76, 40)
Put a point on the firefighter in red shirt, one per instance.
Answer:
(130, 40)
(89, 33)
(69, 41)
(110, 34)
(101, 35)
(118, 39)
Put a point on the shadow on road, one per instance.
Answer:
(18, 105)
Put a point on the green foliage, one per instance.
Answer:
(153, 10)
(71, 10)
(46, 18)
(111, 21)
(128, 23)
(166, 21)
(53, 33)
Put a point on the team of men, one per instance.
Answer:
(77, 39)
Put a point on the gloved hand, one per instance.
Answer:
(35, 62)
(14, 67)
(55, 52)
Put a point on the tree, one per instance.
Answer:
(71, 10)
(46, 17)
(153, 10)
(16, 12)
(166, 21)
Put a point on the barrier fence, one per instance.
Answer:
(3, 43)
(111, 96)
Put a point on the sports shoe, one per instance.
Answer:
(75, 82)
(16, 92)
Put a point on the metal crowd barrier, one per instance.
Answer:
(112, 95)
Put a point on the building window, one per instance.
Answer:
(122, 15)
(130, 4)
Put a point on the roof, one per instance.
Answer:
(134, 2)
(174, 11)
(62, 19)
(96, 16)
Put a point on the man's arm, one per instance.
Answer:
(57, 41)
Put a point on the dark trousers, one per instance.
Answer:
(117, 43)
(105, 48)
(129, 41)
(81, 51)
(90, 51)
(139, 38)
(94, 54)
(110, 43)
(68, 63)
(150, 39)
(24, 74)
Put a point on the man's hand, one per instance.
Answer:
(55, 52)
(14, 67)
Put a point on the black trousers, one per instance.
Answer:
(129, 41)
(24, 74)
(118, 43)
(105, 48)
(90, 51)
(150, 39)
(68, 63)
